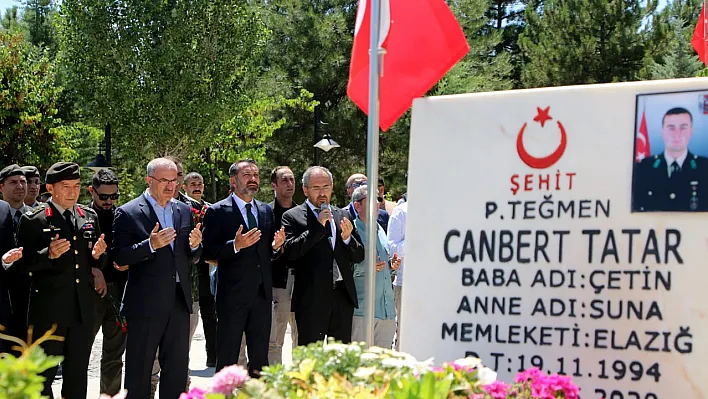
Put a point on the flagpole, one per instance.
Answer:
(372, 171)
(705, 31)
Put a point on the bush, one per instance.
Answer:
(343, 371)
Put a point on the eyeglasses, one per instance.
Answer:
(165, 181)
(105, 197)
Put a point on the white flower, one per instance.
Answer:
(364, 372)
(486, 375)
(369, 356)
(468, 362)
(393, 362)
(376, 349)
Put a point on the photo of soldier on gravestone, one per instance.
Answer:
(670, 164)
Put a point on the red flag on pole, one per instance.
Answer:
(423, 41)
(699, 36)
(641, 149)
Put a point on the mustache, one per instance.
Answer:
(196, 192)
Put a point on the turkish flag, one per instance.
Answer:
(641, 149)
(699, 36)
(423, 41)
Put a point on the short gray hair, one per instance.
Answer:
(194, 175)
(359, 193)
(308, 172)
(160, 163)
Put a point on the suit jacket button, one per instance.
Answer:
(77, 281)
(77, 266)
(74, 238)
(672, 195)
(76, 252)
(36, 290)
(30, 274)
(258, 266)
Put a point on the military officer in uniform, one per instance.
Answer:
(62, 248)
(674, 180)
(33, 184)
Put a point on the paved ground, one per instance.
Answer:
(197, 364)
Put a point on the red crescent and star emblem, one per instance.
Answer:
(541, 117)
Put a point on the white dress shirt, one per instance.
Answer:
(397, 238)
(679, 160)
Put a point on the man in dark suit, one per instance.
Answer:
(674, 181)
(194, 188)
(353, 182)
(155, 236)
(239, 235)
(322, 245)
(282, 181)
(9, 256)
(63, 246)
(13, 186)
(104, 192)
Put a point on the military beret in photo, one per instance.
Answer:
(61, 171)
(30, 171)
(12, 170)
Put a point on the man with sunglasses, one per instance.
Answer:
(104, 192)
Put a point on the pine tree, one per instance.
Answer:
(570, 42)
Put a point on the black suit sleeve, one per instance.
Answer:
(127, 252)
(297, 245)
(213, 249)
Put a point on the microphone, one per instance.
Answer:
(328, 227)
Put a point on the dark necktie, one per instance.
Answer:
(67, 217)
(16, 220)
(675, 167)
(252, 224)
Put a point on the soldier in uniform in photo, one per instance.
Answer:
(62, 250)
(673, 181)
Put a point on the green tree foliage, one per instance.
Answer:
(27, 105)
(311, 49)
(10, 20)
(170, 77)
(675, 25)
(569, 42)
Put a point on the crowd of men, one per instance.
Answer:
(144, 272)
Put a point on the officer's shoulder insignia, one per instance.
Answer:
(36, 210)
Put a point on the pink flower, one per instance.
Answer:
(497, 389)
(531, 374)
(228, 379)
(194, 393)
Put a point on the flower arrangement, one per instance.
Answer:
(337, 370)
(198, 214)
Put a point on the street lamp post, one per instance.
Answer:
(102, 161)
(325, 143)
